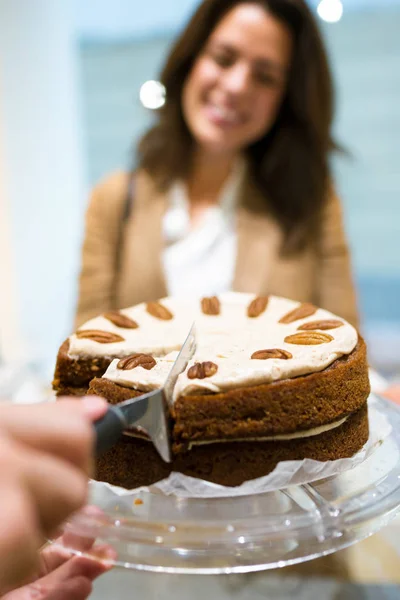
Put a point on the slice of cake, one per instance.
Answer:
(271, 380)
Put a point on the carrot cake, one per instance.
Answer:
(271, 380)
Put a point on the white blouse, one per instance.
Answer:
(200, 260)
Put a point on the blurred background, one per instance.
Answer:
(72, 105)
(73, 102)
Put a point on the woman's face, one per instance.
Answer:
(235, 88)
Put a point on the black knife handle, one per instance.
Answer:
(109, 429)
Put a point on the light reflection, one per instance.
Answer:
(330, 11)
(152, 94)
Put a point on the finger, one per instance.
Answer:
(104, 553)
(81, 566)
(57, 553)
(57, 489)
(19, 537)
(62, 428)
(93, 407)
(78, 566)
(77, 541)
(53, 556)
(78, 588)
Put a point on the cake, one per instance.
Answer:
(272, 379)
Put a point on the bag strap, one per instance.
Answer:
(126, 212)
(129, 199)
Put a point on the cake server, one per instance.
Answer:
(149, 411)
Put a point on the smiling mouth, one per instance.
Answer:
(223, 116)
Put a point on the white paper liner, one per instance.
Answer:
(285, 474)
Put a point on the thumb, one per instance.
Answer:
(77, 588)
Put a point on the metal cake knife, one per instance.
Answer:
(149, 411)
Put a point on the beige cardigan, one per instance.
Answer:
(320, 274)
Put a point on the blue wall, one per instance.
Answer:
(110, 20)
(365, 49)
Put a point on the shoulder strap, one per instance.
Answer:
(126, 212)
(129, 199)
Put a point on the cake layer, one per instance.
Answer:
(134, 462)
(73, 373)
(109, 390)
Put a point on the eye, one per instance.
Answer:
(223, 59)
(266, 79)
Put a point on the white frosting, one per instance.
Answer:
(228, 340)
(279, 437)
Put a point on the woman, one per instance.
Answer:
(233, 187)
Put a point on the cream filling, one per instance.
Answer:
(306, 433)
(279, 437)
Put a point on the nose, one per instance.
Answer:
(237, 79)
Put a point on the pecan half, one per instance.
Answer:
(309, 338)
(120, 320)
(136, 360)
(202, 370)
(211, 306)
(102, 337)
(302, 311)
(257, 306)
(323, 325)
(271, 353)
(158, 310)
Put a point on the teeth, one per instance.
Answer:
(226, 114)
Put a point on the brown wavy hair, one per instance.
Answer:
(290, 164)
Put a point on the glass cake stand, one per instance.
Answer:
(172, 534)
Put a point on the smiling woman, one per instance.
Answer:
(233, 188)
